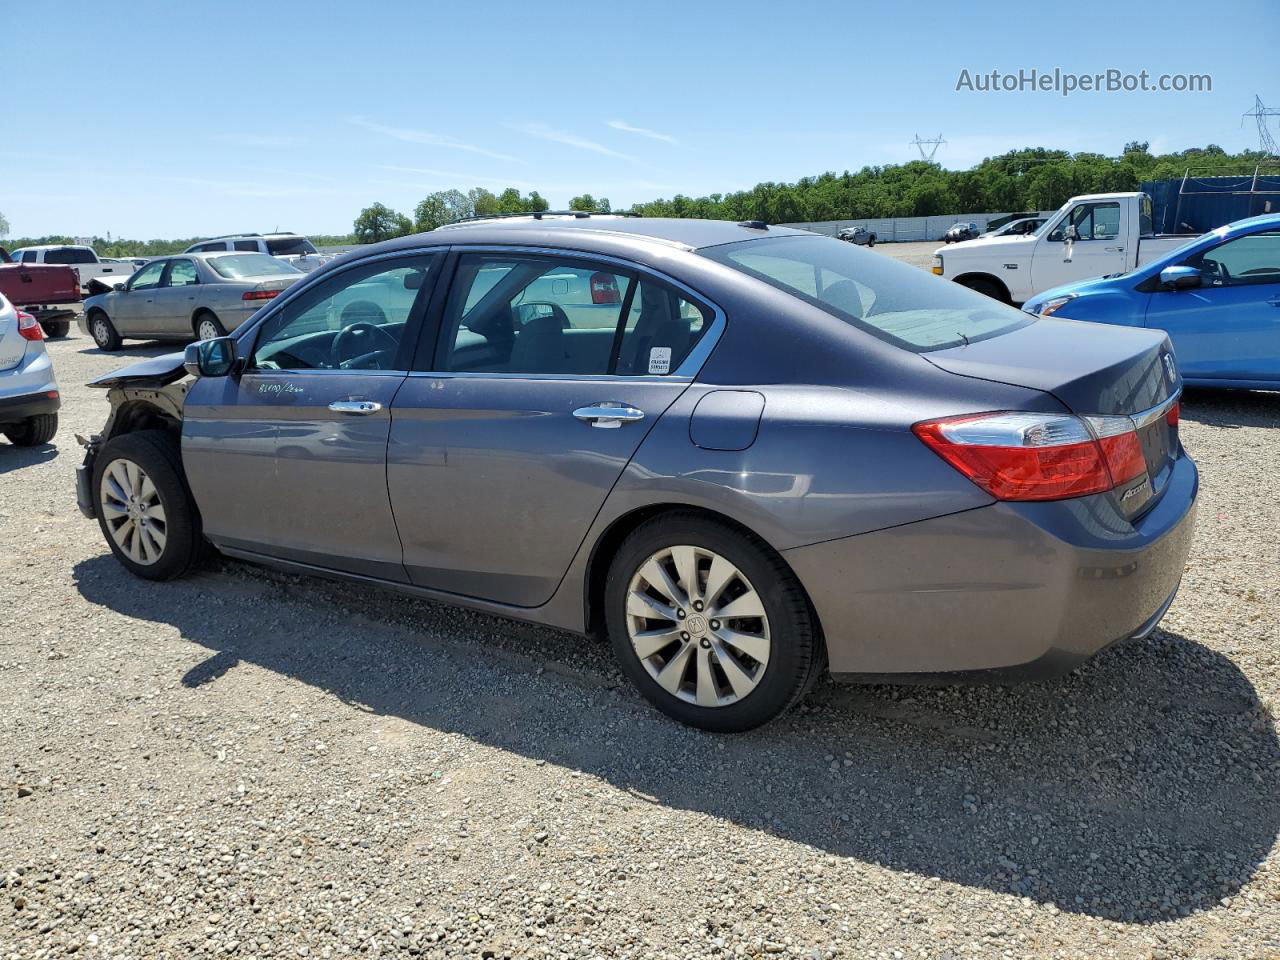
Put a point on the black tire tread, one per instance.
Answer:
(33, 431)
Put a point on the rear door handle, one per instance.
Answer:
(359, 407)
(608, 414)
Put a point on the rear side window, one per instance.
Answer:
(289, 246)
(238, 266)
(538, 315)
(248, 246)
(888, 299)
(29, 257)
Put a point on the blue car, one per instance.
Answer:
(1218, 298)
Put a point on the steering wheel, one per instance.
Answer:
(1216, 269)
(359, 343)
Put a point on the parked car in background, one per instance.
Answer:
(133, 263)
(200, 295)
(1017, 228)
(1217, 297)
(1089, 236)
(83, 260)
(780, 453)
(289, 247)
(859, 235)
(961, 231)
(29, 397)
(46, 291)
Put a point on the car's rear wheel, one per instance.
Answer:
(55, 329)
(33, 431)
(208, 326)
(103, 332)
(144, 507)
(710, 624)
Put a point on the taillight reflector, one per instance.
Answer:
(259, 294)
(1033, 456)
(29, 326)
(604, 288)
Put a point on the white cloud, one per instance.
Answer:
(641, 131)
(544, 132)
(429, 139)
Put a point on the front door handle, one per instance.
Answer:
(1274, 301)
(359, 407)
(608, 414)
(1115, 249)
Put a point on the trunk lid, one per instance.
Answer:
(1093, 369)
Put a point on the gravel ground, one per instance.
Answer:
(254, 765)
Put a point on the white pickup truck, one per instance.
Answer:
(1090, 236)
(83, 260)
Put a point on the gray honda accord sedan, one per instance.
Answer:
(745, 454)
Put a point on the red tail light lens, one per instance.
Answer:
(29, 327)
(1175, 412)
(604, 288)
(259, 294)
(1033, 456)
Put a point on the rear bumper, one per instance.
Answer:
(15, 409)
(1006, 591)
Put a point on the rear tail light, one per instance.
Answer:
(29, 326)
(1034, 456)
(604, 288)
(259, 294)
(1171, 418)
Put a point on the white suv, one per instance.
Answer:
(293, 249)
(29, 397)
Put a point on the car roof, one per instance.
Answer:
(57, 246)
(688, 234)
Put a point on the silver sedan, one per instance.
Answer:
(195, 295)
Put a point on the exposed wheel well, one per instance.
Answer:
(134, 415)
(985, 283)
(606, 547)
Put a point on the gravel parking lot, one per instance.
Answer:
(254, 765)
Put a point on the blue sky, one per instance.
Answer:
(173, 119)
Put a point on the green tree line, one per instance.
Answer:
(1035, 178)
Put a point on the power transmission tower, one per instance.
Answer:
(1266, 142)
(933, 146)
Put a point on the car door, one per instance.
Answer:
(549, 372)
(167, 311)
(288, 457)
(129, 307)
(1228, 328)
(1097, 250)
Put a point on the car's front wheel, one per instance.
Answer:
(710, 624)
(103, 332)
(144, 507)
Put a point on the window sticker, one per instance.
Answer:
(660, 360)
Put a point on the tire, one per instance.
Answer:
(33, 431)
(56, 329)
(787, 636)
(103, 332)
(206, 326)
(872, 241)
(164, 547)
(988, 288)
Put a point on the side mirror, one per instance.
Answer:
(210, 358)
(1180, 278)
(118, 286)
(1071, 234)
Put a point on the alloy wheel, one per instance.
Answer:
(698, 626)
(133, 511)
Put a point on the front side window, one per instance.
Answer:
(289, 246)
(1245, 260)
(29, 256)
(1093, 221)
(541, 316)
(354, 320)
(148, 278)
(882, 296)
(182, 273)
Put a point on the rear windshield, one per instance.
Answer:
(241, 266)
(873, 292)
(289, 246)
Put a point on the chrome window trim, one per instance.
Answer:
(1146, 417)
(685, 373)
